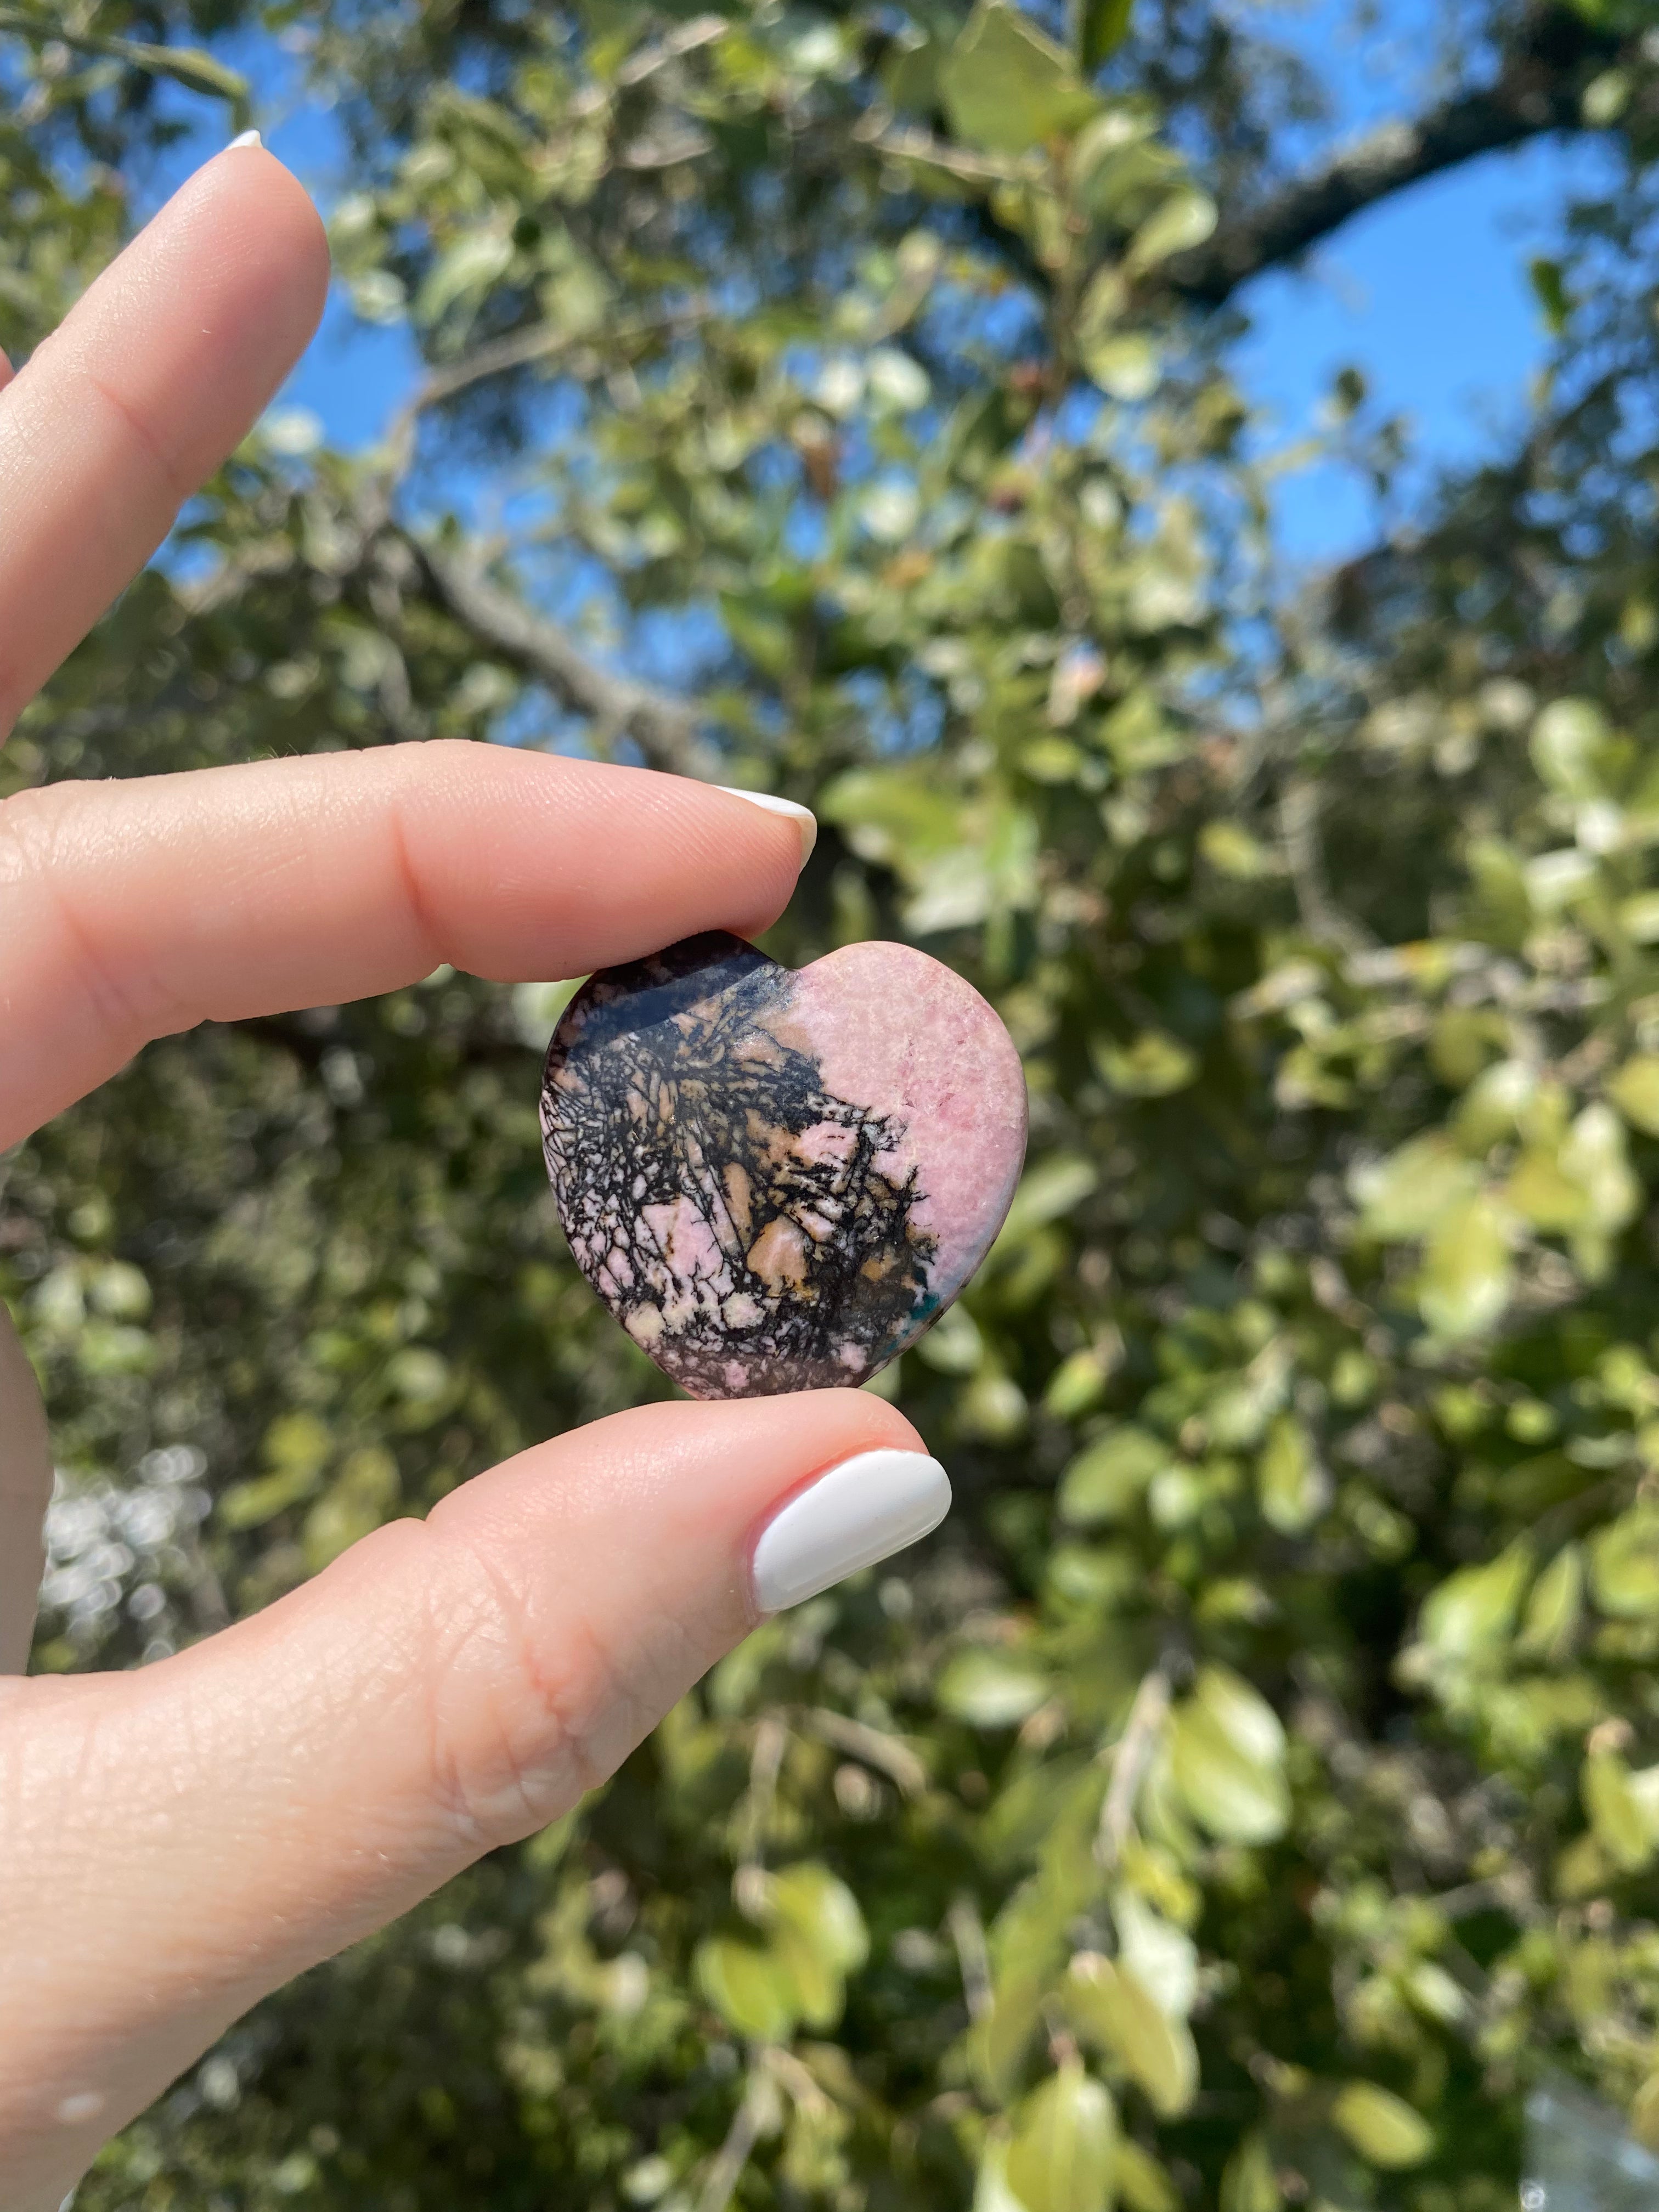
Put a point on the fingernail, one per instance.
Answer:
(803, 816)
(247, 138)
(853, 1515)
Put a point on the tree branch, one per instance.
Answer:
(895, 1759)
(1131, 1757)
(519, 349)
(973, 1956)
(666, 730)
(726, 2170)
(1539, 87)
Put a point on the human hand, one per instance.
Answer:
(176, 1842)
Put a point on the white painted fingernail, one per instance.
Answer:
(803, 816)
(247, 138)
(853, 1515)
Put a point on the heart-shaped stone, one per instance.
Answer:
(776, 1180)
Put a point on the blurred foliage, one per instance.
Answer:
(1256, 1784)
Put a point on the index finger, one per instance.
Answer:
(131, 911)
(119, 416)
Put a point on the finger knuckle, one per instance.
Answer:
(30, 824)
(522, 1722)
(45, 833)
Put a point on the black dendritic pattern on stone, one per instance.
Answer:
(727, 1206)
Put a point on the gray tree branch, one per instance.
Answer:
(1131, 1758)
(666, 730)
(1539, 86)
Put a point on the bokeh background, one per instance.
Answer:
(1173, 484)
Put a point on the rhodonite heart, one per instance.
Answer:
(776, 1180)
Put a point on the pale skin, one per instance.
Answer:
(177, 1842)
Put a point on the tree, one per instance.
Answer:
(1252, 1790)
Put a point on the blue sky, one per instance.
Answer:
(1427, 293)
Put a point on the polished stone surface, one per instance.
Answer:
(776, 1181)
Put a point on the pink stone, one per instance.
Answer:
(777, 1180)
(902, 1033)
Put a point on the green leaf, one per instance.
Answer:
(1569, 745)
(1102, 26)
(756, 627)
(1494, 1105)
(1048, 1192)
(250, 1505)
(297, 1447)
(910, 77)
(1249, 2183)
(1474, 1609)
(1382, 2128)
(1108, 1478)
(1635, 1091)
(1007, 86)
(1063, 2154)
(1617, 1819)
(197, 72)
(1644, 2112)
(974, 883)
(1224, 1759)
(991, 2190)
(987, 1689)
(1467, 1273)
(1542, 1192)
(1289, 1481)
(1410, 1192)
(1185, 220)
(817, 1991)
(1243, 1713)
(464, 271)
(1000, 2037)
(1110, 2007)
(121, 1291)
(1606, 98)
(820, 1910)
(1624, 1565)
(298, 1440)
(1125, 365)
(1555, 1607)
(1232, 851)
(1152, 1067)
(1162, 1957)
(891, 815)
(1550, 291)
(1118, 166)
(1500, 911)
(1594, 1156)
(749, 1986)
(1141, 2183)
(1079, 1382)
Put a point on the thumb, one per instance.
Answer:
(179, 1841)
